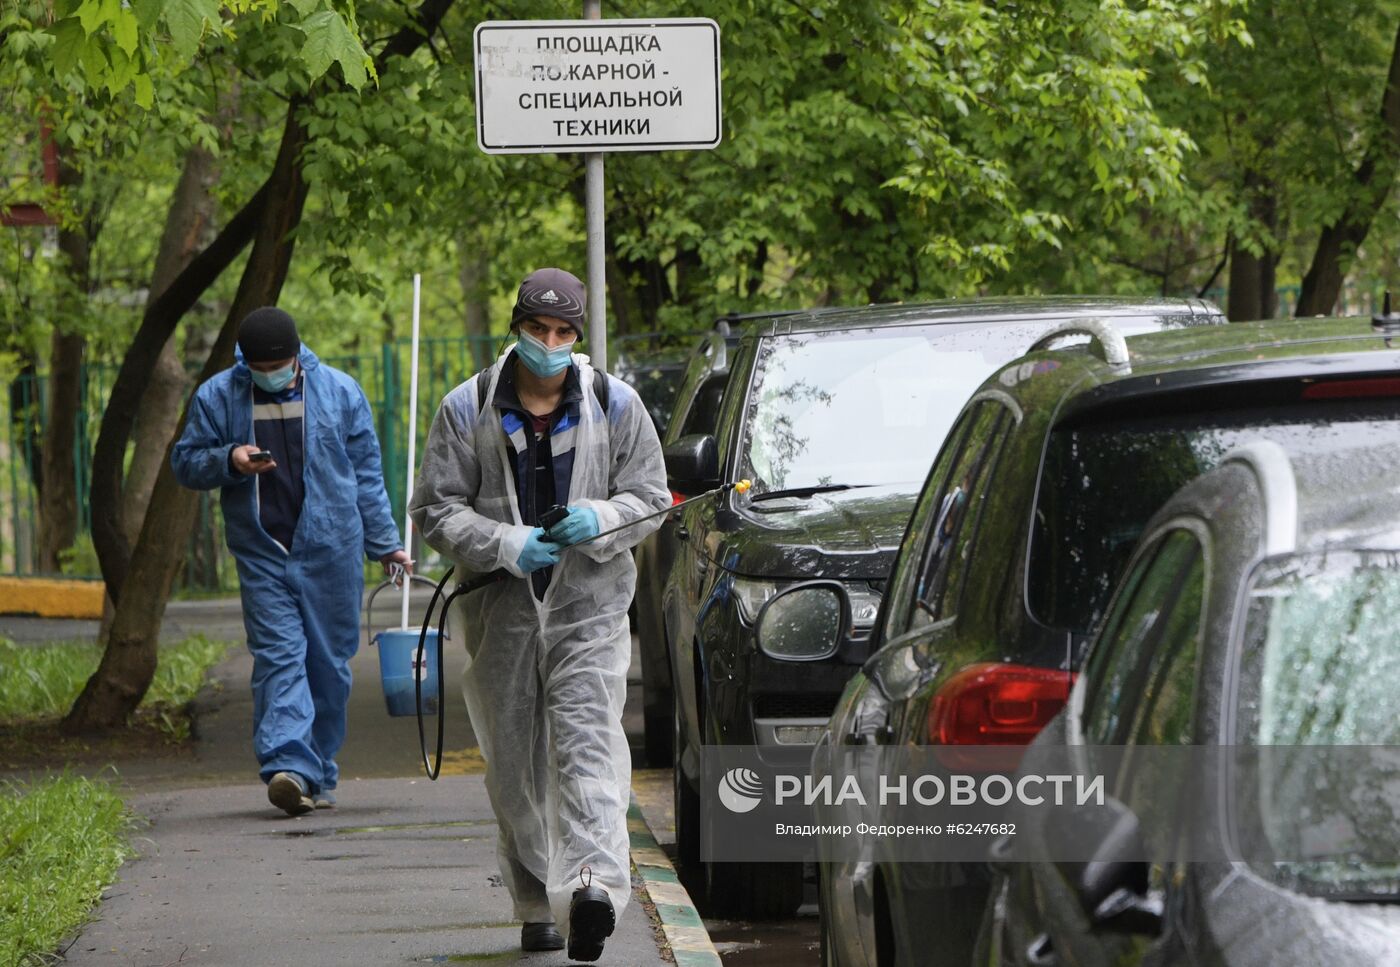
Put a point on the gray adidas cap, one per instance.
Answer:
(551, 292)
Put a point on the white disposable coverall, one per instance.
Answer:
(546, 680)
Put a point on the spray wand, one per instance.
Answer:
(556, 513)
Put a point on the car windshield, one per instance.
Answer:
(1101, 482)
(1319, 664)
(863, 406)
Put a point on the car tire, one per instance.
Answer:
(753, 891)
(686, 800)
(657, 714)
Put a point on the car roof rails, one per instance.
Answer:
(718, 348)
(1274, 471)
(1112, 346)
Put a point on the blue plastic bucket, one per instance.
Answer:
(397, 650)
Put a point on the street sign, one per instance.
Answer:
(597, 85)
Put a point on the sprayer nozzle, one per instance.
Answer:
(743, 486)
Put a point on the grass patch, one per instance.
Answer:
(61, 841)
(41, 682)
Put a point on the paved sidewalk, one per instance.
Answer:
(403, 871)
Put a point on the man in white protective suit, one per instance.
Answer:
(549, 645)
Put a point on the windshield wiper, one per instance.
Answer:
(804, 491)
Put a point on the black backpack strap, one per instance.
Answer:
(600, 389)
(483, 383)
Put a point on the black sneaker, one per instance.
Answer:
(540, 936)
(591, 920)
(287, 792)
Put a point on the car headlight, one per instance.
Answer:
(751, 594)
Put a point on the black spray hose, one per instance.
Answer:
(434, 766)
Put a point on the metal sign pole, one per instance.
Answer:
(593, 203)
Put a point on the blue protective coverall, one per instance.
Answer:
(301, 605)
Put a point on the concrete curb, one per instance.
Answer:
(680, 921)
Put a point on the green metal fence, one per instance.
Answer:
(384, 375)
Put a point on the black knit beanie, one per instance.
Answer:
(268, 334)
(551, 292)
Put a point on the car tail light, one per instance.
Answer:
(996, 704)
(1345, 389)
(677, 498)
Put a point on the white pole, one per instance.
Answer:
(412, 441)
(593, 203)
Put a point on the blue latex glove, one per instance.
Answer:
(580, 525)
(537, 552)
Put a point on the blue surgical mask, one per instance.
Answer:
(541, 360)
(275, 381)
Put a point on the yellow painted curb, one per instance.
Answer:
(680, 922)
(51, 597)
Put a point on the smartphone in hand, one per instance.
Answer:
(260, 456)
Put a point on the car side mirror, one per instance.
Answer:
(692, 464)
(1112, 884)
(805, 623)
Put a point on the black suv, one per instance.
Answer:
(836, 418)
(1020, 533)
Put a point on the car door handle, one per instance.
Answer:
(1040, 952)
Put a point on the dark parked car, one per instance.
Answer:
(836, 418)
(655, 375)
(1021, 531)
(1258, 611)
(695, 410)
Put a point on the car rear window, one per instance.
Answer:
(1101, 481)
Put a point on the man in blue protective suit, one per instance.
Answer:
(290, 443)
(548, 646)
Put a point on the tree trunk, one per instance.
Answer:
(753, 281)
(1372, 180)
(187, 226)
(58, 500)
(1253, 290)
(473, 276)
(129, 660)
(1253, 286)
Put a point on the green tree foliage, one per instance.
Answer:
(117, 46)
